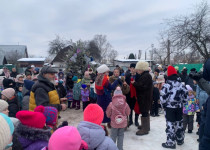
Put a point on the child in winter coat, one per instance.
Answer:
(26, 93)
(76, 93)
(85, 96)
(69, 86)
(9, 96)
(30, 132)
(156, 98)
(51, 114)
(173, 97)
(189, 110)
(118, 110)
(60, 89)
(20, 96)
(91, 130)
(66, 138)
(86, 80)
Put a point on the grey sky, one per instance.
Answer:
(130, 25)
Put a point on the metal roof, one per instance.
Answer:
(32, 59)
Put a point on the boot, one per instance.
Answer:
(145, 126)
(136, 120)
(167, 146)
(130, 119)
(139, 127)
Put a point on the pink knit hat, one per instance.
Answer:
(189, 88)
(94, 113)
(31, 119)
(8, 93)
(51, 114)
(66, 138)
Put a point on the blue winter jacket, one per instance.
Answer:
(94, 136)
(205, 114)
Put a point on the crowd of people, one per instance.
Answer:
(30, 106)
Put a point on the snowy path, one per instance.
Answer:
(152, 141)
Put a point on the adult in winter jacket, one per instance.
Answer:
(173, 97)
(131, 96)
(43, 91)
(91, 130)
(26, 93)
(144, 89)
(104, 89)
(14, 73)
(9, 95)
(204, 131)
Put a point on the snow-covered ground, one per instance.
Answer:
(152, 141)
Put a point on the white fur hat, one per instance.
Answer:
(142, 65)
(102, 69)
(3, 105)
(5, 135)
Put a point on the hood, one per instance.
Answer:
(41, 78)
(175, 81)
(91, 133)
(27, 135)
(119, 101)
(28, 84)
(206, 70)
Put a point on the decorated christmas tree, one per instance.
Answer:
(77, 59)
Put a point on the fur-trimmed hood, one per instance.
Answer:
(27, 135)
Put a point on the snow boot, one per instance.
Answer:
(130, 119)
(145, 126)
(136, 120)
(167, 146)
(139, 127)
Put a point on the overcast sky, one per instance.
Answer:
(130, 25)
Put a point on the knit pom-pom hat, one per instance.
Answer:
(51, 114)
(66, 138)
(94, 113)
(3, 105)
(171, 71)
(118, 91)
(8, 93)
(75, 78)
(31, 119)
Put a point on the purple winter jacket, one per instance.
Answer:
(32, 138)
(85, 95)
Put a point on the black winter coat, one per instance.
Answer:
(13, 106)
(144, 91)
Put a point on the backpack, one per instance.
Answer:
(120, 118)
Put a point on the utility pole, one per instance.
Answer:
(152, 51)
(145, 55)
(168, 51)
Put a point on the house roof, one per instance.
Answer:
(20, 49)
(131, 60)
(31, 59)
(62, 55)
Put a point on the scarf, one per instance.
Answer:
(132, 90)
(101, 80)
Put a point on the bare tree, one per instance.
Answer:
(104, 46)
(192, 31)
(94, 51)
(112, 55)
(56, 45)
